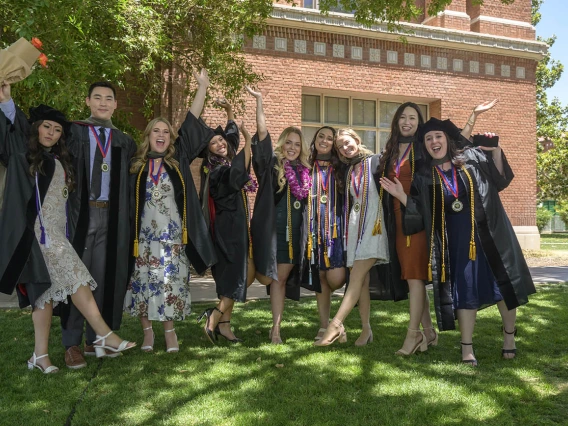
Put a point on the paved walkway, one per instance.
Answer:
(203, 289)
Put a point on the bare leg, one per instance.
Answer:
(170, 336)
(224, 323)
(42, 325)
(84, 301)
(417, 295)
(277, 295)
(148, 334)
(251, 271)
(365, 314)
(426, 321)
(466, 318)
(509, 318)
(324, 302)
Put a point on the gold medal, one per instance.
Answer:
(356, 207)
(457, 206)
(297, 205)
(156, 194)
(65, 192)
(104, 167)
(323, 199)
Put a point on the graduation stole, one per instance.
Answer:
(472, 249)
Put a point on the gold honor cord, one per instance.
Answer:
(334, 204)
(310, 220)
(433, 223)
(472, 249)
(247, 215)
(408, 237)
(289, 226)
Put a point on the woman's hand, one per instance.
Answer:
(254, 93)
(485, 106)
(490, 148)
(202, 78)
(223, 103)
(244, 131)
(394, 188)
(5, 90)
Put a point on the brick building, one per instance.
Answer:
(331, 70)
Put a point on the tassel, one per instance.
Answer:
(310, 248)
(335, 230)
(443, 273)
(42, 237)
(290, 252)
(377, 229)
(184, 236)
(326, 259)
(250, 251)
(429, 272)
(472, 250)
(135, 248)
(408, 241)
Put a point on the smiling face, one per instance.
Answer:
(292, 146)
(436, 144)
(218, 146)
(159, 137)
(324, 141)
(347, 146)
(49, 133)
(408, 122)
(102, 103)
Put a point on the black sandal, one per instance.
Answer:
(509, 351)
(218, 333)
(473, 361)
(209, 333)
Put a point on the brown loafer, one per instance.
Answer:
(74, 358)
(90, 351)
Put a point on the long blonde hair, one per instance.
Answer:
(303, 158)
(363, 150)
(139, 160)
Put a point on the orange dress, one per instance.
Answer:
(413, 259)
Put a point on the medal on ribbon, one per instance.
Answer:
(452, 186)
(324, 181)
(104, 149)
(156, 194)
(297, 205)
(399, 162)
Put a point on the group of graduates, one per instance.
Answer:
(92, 225)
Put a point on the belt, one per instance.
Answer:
(98, 204)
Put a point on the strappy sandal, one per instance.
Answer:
(434, 341)
(173, 348)
(148, 348)
(218, 333)
(422, 345)
(100, 348)
(208, 332)
(339, 335)
(473, 361)
(509, 351)
(33, 364)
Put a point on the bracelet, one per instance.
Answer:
(471, 120)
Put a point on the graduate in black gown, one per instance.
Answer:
(475, 259)
(35, 254)
(225, 187)
(281, 203)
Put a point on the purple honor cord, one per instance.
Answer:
(44, 238)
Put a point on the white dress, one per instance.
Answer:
(369, 246)
(66, 270)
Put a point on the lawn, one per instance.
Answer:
(256, 383)
(556, 241)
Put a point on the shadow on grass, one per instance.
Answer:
(257, 383)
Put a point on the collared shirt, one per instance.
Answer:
(9, 109)
(105, 180)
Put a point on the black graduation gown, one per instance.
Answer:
(199, 248)
(21, 260)
(263, 224)
(118, 239)
(495, 231)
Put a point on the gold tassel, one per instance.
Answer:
(326, 259)
(377, 229)
(136, 248)
(250, 251)
(443, 273)
(334, 230)
(310, 247)
(290, 252)
(184, 236)
(429, 272)
(408, 241)
(472, 250)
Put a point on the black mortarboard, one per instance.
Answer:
(442, 125)
(43, 112)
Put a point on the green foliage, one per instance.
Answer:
(543, 217)
(561, 209)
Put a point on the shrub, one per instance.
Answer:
(543, 217)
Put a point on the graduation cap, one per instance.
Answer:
(441, 125)
(43, 112)
(231, 137)
(17, 60)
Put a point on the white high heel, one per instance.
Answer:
(149, 348)
(100, 348)
(175, 348)
(48, 370)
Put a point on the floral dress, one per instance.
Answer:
(159, 285)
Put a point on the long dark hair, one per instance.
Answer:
(338, 166)
(36, 153)
(391, 149)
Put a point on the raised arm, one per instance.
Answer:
(260, 117)
(226, 105)
(479, 109)
(6, 102)
(202, 85)
(248, 143)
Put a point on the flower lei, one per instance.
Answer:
(300, 192)
(251, 185)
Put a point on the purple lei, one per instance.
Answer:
(300, 192)
(251, 185)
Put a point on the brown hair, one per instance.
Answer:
(141, 157)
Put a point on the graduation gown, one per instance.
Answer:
(263, 223)
(495, 231)
(118, 239)
(21, 260)
(199, 248)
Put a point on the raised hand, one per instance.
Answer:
(394, 188)
(223, 103)
(253, 92)
(485, 106)
(244, 131)
(202, 78)
(5, 91)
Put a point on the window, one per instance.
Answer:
(314, 4)
(371, 118)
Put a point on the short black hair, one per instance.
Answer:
(101, 84)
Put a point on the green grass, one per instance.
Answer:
(256, 383)
(556, 241)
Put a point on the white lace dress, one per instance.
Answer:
(66, 270)
(370, 246)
